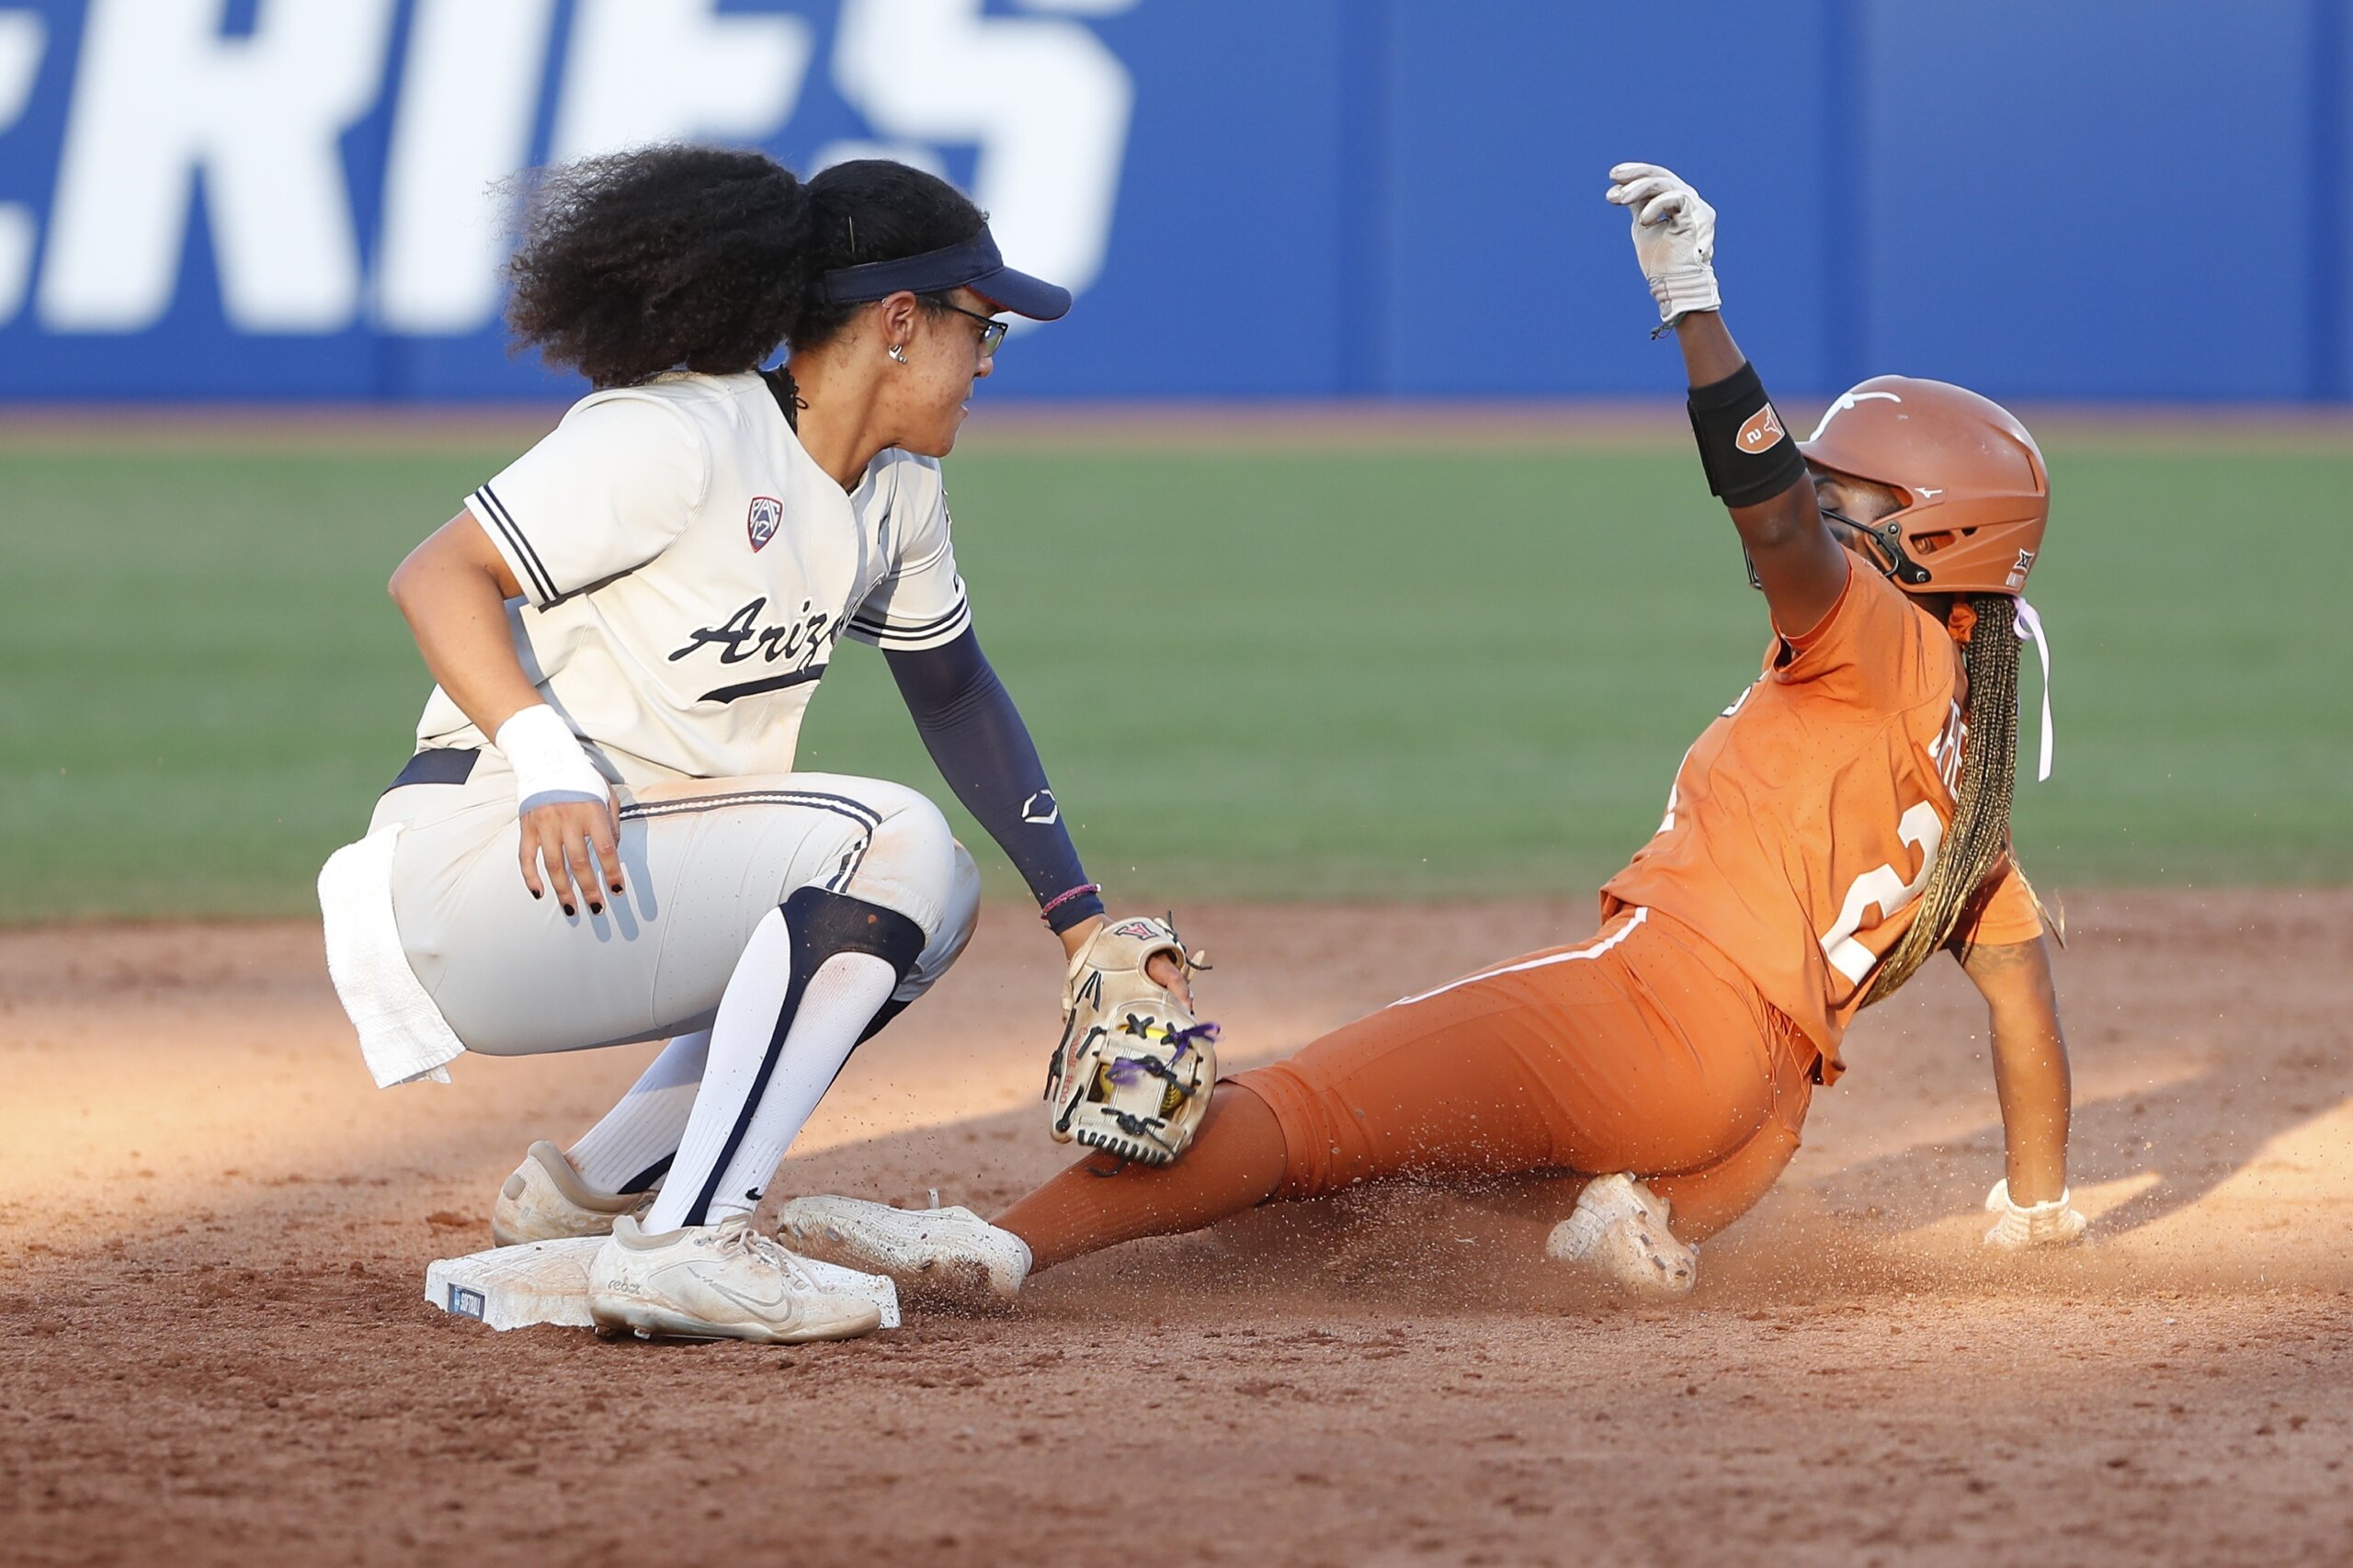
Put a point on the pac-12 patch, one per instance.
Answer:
(1761, 432)
(466, 1304)
(766, 516)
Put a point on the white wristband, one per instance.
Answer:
(1680, 290)
(549, 762)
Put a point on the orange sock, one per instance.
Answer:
(1236, 1162)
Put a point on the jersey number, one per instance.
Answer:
(1885, 887)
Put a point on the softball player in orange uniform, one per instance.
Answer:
(1844, 819)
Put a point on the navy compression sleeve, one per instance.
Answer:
(975, 735)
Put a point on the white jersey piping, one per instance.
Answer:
(1593, 952)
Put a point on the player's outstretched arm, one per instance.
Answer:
(1750, 460)
(977, 737)
(2031, 1078)
(1799, 564)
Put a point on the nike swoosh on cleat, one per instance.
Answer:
(753, 1302)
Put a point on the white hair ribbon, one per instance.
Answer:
(2030, 629)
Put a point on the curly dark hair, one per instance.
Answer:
(703, 258)
(874, 209)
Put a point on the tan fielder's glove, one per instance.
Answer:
(1133, 1072)
(2018, 1226)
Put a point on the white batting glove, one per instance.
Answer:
(2019, 1226)
(1674, 238)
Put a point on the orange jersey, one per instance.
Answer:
(1802, 822)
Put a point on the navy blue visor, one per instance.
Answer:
(975, 265)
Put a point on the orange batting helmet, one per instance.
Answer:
(1976, 495)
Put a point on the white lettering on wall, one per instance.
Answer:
(161, 97)
(469, 93)
(662, 69)
(1047, 103)
(22, 39)
(163, 105)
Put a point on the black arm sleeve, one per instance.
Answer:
(975, 735)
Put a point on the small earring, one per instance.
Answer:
(899, 352)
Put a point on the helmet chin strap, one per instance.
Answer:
(1888, 556)
(2031, 631)
(1885, 539)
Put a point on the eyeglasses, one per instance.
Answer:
(992, 329)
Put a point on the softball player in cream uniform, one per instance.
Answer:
(602, 836)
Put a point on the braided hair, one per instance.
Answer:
(1979, 834)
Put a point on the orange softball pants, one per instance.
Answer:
(1641, 1048)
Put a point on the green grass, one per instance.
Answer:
(1253, 675)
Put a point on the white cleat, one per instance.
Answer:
(722, 1282)
(2021, 1226)
(950, 1256)
(1620, 1229)
(545, 1201)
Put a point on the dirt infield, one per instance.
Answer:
(213, 1348)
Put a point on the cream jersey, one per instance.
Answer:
(688, 571)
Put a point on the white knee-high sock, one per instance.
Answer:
(643, 1132)
(758, 1088)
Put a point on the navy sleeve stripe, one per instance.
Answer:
(533, 567)
(882, 627)
(909, 638)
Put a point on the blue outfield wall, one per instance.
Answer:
(266, 199)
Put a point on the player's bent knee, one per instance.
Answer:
(828, 922)
(961, 913)
(909, 863)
